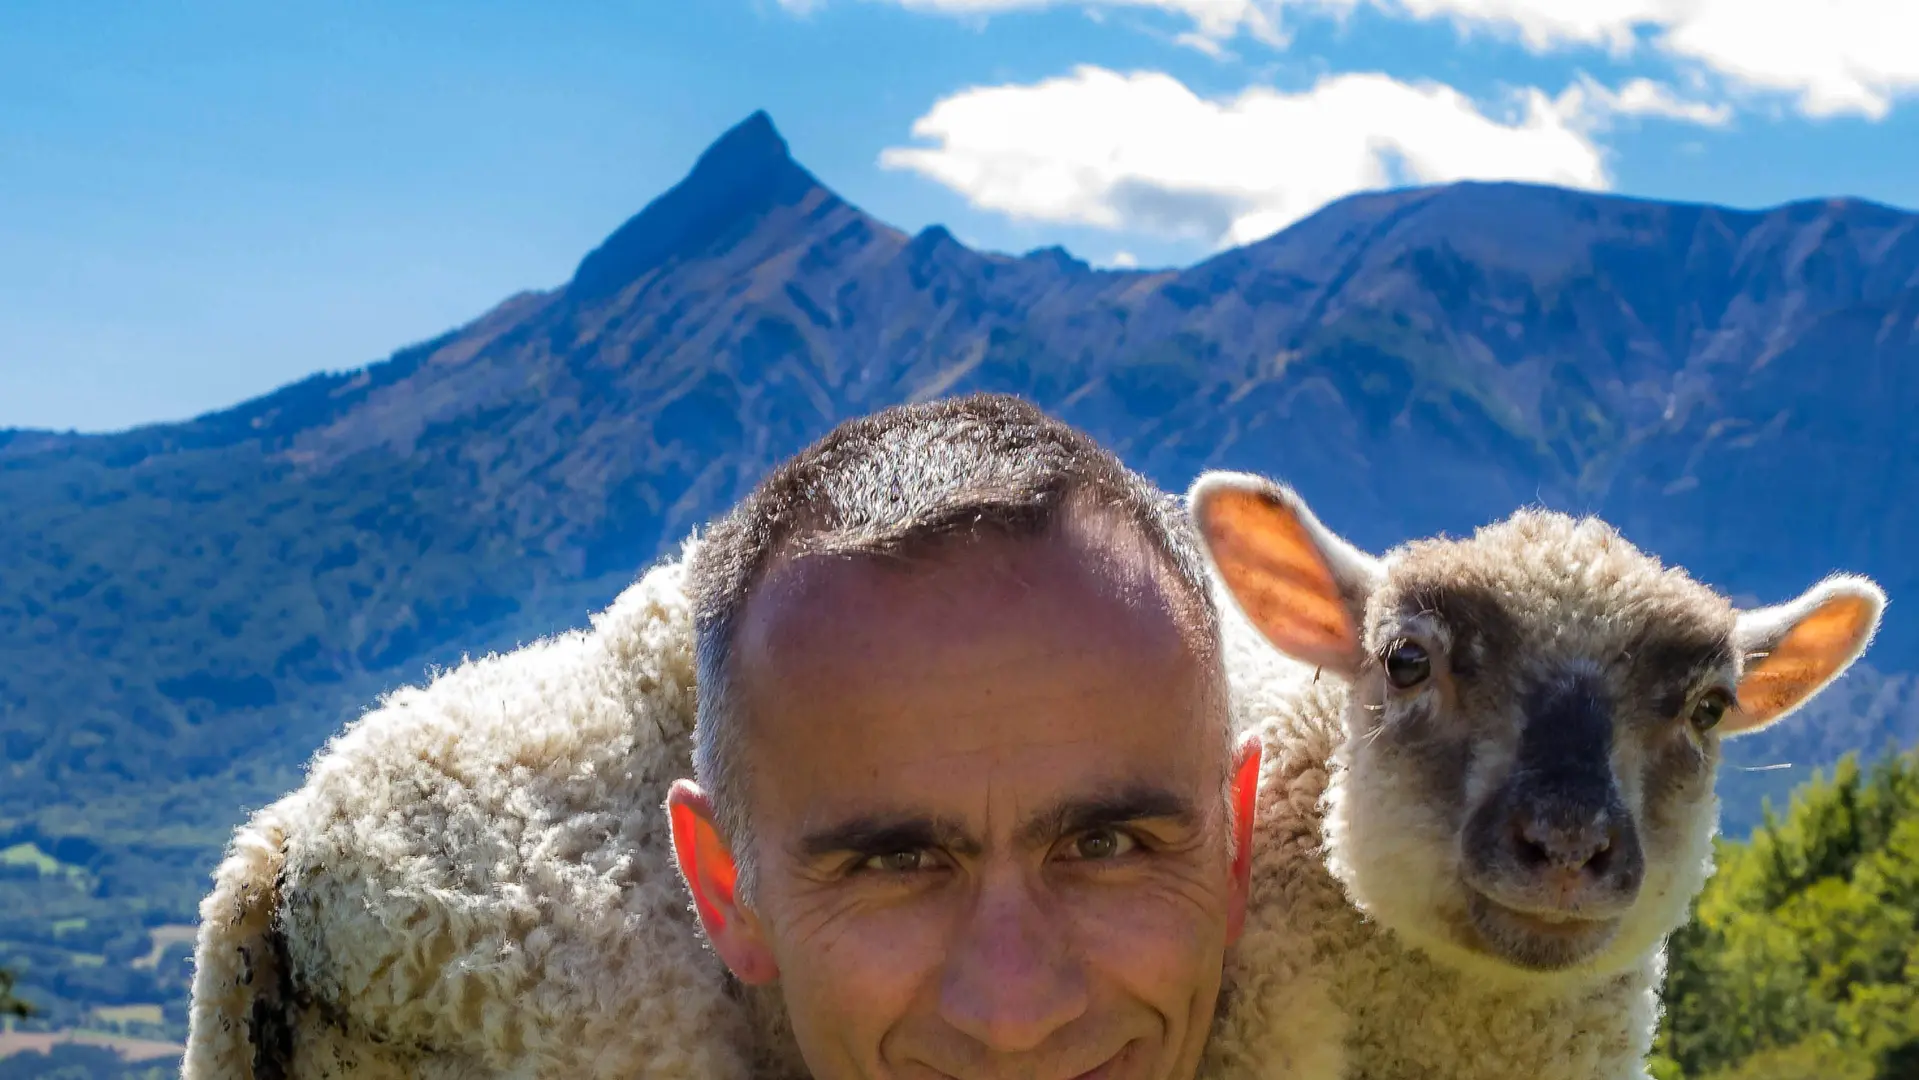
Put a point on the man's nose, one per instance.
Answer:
(1011, 978)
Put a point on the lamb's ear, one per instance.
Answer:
(1796, 649)
(1304, 587)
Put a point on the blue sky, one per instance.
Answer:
(202, 201)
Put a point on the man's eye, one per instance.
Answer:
(1102, 844)
(898, 862)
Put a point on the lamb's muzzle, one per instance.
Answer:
(1553, 857)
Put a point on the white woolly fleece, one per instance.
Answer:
(477, 880)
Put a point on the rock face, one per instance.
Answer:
(189, 609)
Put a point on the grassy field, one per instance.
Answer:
(89, 960)
(43, 1042)
(163, 938)
(30, 855)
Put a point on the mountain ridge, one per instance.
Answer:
(757, 137)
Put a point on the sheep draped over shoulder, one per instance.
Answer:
(477, 881)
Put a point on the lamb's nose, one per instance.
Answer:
(1549, 842)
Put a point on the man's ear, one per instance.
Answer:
(1304, 587)
(1796, 649)
(1245, 804)
(710, 874)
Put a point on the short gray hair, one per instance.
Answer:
(897, 483)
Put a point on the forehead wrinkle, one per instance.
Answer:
(1031, 739)
(944, 599)
(985, 714)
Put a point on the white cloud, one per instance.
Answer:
(1837, 56)
(1546, 24)
(1142, 152)
(1124, 260)
(1213, 20)
(1640, 97)
(1834, 56)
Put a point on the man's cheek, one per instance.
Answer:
(861, 954)
(1158, 929)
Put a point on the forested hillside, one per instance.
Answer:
(1803, 961)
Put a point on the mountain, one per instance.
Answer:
(188, 610)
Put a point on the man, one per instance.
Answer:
(966, 786)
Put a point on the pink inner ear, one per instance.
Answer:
(1275, 570)
(1805, 659)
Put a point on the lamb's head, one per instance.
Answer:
(1533, 720)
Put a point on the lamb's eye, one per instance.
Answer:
(1710, 709)
(1407, 665)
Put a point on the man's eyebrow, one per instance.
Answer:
(882, 834)
(1134, 802)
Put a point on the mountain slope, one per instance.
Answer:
(189, 610)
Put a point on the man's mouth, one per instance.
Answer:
(1110, 1067)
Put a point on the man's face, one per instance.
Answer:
(989, 800)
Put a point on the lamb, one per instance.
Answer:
(1487, 796)
(476, 880)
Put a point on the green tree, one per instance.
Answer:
(9, 1004)
(1802, 958)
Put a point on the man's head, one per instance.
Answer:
(965, 779)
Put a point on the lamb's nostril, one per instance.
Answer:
(1531, 854)
(1539, 845)
(1600, 861)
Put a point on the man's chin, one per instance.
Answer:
(1121, 1064)
(1543, 943)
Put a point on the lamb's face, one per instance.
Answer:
(1533, 723)
(1531, 745)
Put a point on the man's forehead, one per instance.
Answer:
(869, 686)
(1021, 652)
(1091, 587)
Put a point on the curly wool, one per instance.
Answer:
(477, 881)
